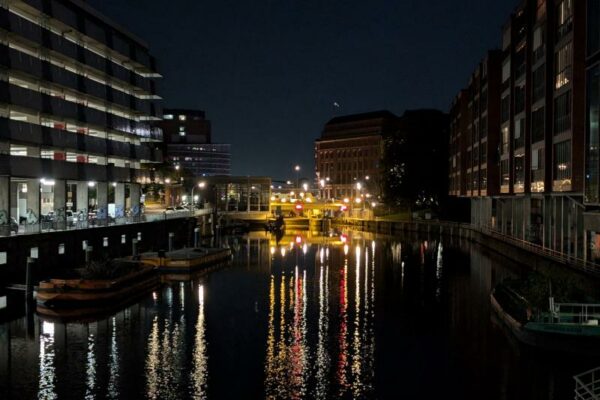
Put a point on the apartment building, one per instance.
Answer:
(77, 100)
(545, 143)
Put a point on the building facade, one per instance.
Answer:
(188, 143)
(349, 152)
(78, 95)
(547, 163)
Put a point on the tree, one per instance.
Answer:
(415, 161)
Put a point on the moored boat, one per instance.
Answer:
(79, 297)
(569, 328)
(186, 261)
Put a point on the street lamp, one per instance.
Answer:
(195, 198)
(297, 169)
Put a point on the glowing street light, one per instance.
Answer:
(201, 185)
(297, 169)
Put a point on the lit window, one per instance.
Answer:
(182, 133)
(168, 116)
(182, 117)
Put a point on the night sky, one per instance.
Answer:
(267, 72)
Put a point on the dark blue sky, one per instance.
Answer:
(267, 72)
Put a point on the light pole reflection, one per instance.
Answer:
(47, 369)
(200, 373)
(90, 369)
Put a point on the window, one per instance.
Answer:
(182, 118)
(504, 174)
(519, 98)
(592, 159)
(562, 113)
(505, 109)
(519, 170)
(483, 127)
(537, 125)
(564, 58)
(483, 152)
(537, 159)
(537, 169)
(168, 116)
(506, 38)
(520, 63)
(539, 86)
(519, 133)
(593, 22)
(506, 71)
(483, 184)
(565, 20)
(541, 10)
(505, 138)
(468, 181)
(484, 99)
(562, 162)
(476, 155)
(539, 42)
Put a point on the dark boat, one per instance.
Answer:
(81, 297)
(569, 328)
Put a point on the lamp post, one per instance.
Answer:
(322, 184)
(168, 193)
(201, 186)
(297, 169)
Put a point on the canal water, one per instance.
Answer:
(350, 316)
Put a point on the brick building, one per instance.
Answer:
(542, 175)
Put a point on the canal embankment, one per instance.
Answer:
(61, 249)
(520, 251)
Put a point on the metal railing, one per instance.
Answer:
(587, 385)
(71, 225)
(555, 255)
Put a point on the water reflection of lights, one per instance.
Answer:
(286, 365)
(356, 356)
(322, 362)
(152, 361)
(438, 270)
(166, 353)
(182, 295)
(47, 369)
(199, 375)
(113, 379)
(90, 369)
(342, 362)
(338, 360)
(282, 251)
(304, 248)
(272, 250)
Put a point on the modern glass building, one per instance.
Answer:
(76, 101)
(188, 144)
